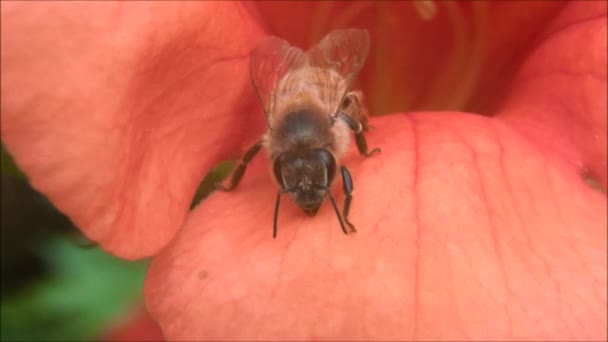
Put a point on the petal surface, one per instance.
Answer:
(558, 98)
(466, 231)
(136, 326)
(116, 110)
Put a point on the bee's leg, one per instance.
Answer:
(347, 186)
(353, 106)
(238, 173)
(359, 137)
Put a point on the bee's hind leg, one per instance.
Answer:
(239, 171)
(359, 137)
(347, 186)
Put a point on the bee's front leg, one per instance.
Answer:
(238, 173)
(347, 186)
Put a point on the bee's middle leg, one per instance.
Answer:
(357, 128)
(238, 173)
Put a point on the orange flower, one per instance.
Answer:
(136, 326)
(470, 226)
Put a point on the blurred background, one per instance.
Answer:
(58, 286)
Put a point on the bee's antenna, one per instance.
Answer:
(276, 211)
(331, 199)
(276, 214)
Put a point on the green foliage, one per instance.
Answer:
(86, 290)
(52, 288)
(7, 164)
(207, 186)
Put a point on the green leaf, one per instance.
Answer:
(207, 186)
(87, 290)
(7, 164)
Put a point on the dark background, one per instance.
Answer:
(56, 284)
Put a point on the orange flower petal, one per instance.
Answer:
(117, 110)
(559, 97)
(462, 234)
(137, 326)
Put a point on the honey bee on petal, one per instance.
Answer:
(311, 113)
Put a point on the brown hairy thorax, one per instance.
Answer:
(303, 110)
(320, 87)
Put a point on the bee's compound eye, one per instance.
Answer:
(329, 161)
(277, 165)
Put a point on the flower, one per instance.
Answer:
(470, 226)
(90, 123)
(137, 325)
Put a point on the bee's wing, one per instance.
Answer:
(272, 58)
(344, 52)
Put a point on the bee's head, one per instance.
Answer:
(306, 176)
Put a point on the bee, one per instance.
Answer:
(310, 113)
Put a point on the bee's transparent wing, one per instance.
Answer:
(270, 61)
(343, 52)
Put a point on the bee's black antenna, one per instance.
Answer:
(276, 211)
(276, 214)
(331, 199)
